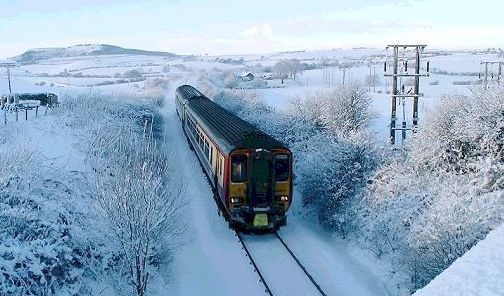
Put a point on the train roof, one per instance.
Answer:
(228, 130)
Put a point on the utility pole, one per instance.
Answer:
(8, 65)
(490, 76)
(409, 52)
(370, 78)
(9, 79)
(374, 79)
(344, 68)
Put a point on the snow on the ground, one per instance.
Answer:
(478, 272)
(339, 268)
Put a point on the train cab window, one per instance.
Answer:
(281, 167)
(239, 168)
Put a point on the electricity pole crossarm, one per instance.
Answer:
(399, 71)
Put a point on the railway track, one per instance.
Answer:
(268, 278)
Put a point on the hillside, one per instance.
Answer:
(39, 54)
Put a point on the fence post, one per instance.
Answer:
(26, 113)
(36, 111)
(15, 108)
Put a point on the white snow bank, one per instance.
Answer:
(478, 272)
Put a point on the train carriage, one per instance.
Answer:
(250, 171)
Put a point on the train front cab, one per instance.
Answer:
(260, 187)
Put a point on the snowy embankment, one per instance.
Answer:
(478, 272)
(60, 187)
(43, 206)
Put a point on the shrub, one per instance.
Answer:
(445, 193)
(132, 74)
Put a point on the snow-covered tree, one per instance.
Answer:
(431, 204)
(295, 67)
(141, 204)
(281, 70)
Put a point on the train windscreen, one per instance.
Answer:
(281, 167)
(239, 168)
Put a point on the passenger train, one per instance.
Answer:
(250, 172)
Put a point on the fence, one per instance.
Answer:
(11, 106)
(13, 113)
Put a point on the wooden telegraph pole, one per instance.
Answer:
(8, 65)
(400, 70)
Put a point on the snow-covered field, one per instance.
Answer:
(210, 260)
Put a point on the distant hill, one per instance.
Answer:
(39, 54)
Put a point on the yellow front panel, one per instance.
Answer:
(238, 190)
(282, 188)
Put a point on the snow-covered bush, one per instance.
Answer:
(43, 246)
(343, 111)
(204, 85)
(155, 89)
(135, 73)
(140, 202)
(231, 80)
(430, 205)
(336, 152)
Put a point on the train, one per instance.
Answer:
(250, 171)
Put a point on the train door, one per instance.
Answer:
(261, 179)
(214, 159)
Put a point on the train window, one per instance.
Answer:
(207, 152)
(211, 155)
(282, 167)
(239, 168)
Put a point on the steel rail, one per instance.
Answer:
(252, 261)
(301, 265)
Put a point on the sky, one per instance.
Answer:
(219, 27)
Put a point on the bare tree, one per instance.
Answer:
(281, 70)
(140, 201)
(295, 68)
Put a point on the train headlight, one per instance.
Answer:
(235, 200)
(284, 198)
